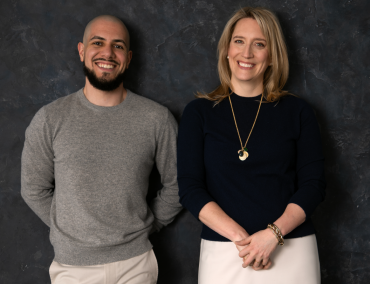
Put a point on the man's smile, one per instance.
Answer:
(106, 66)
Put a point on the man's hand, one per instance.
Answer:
(256, 249)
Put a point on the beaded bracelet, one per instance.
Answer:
(277, 233)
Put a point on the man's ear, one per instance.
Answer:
(129, 57)
(80, 48)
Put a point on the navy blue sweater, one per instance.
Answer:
(285, 163)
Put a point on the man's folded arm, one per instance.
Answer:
(166, 205)
(37, 175)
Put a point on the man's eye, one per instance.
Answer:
(97, 43)
(118, 46)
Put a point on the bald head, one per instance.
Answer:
(100, 21)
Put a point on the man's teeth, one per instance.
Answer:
(245, 65)
(105, 66)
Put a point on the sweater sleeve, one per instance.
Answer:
(37, 174)
(191, 169)
(309, 164)
(166, 205)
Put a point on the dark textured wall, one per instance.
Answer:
(174, 48)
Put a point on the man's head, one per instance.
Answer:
(105, 52)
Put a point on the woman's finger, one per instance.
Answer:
(265, 261)
(268, 265)
(247, 260)
(240, 248)
(244, 242)
(244, 252)
(257, 264)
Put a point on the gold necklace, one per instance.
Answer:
(243, 153)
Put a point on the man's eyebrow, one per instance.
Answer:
(120, 40)
(114, 40)
(97, 37)
(244, 37)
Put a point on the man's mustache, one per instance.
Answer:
(109, 60)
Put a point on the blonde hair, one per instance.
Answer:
(275, 75)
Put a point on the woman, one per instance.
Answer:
(250, 163)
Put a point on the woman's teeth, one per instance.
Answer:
(245, 64)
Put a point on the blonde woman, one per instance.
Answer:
(250, 163)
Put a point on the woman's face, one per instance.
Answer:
(248, 54)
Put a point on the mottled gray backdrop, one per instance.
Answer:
(174, 54)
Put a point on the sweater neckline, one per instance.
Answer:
(106, 109)
(235, 97)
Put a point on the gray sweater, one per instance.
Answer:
(85, 173)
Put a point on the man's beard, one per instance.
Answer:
(102, 83)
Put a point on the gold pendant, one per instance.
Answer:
(243, 155)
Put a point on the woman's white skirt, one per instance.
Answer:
(297, 262)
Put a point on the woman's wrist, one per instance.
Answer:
(272, 235)
(281, 227)
(276, 231)
(239, 235)
(292, 217)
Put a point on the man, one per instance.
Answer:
(86, 164)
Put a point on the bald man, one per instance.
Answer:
(86, 163)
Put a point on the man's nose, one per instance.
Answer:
(107, 51)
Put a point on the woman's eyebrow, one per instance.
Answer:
(244, 38)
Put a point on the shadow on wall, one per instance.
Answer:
(333, 216)
(132, 78)
(340, 228)
(176, 246)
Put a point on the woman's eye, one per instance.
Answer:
(238, 41)
(259, 44)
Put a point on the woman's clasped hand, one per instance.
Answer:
(257, 249)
